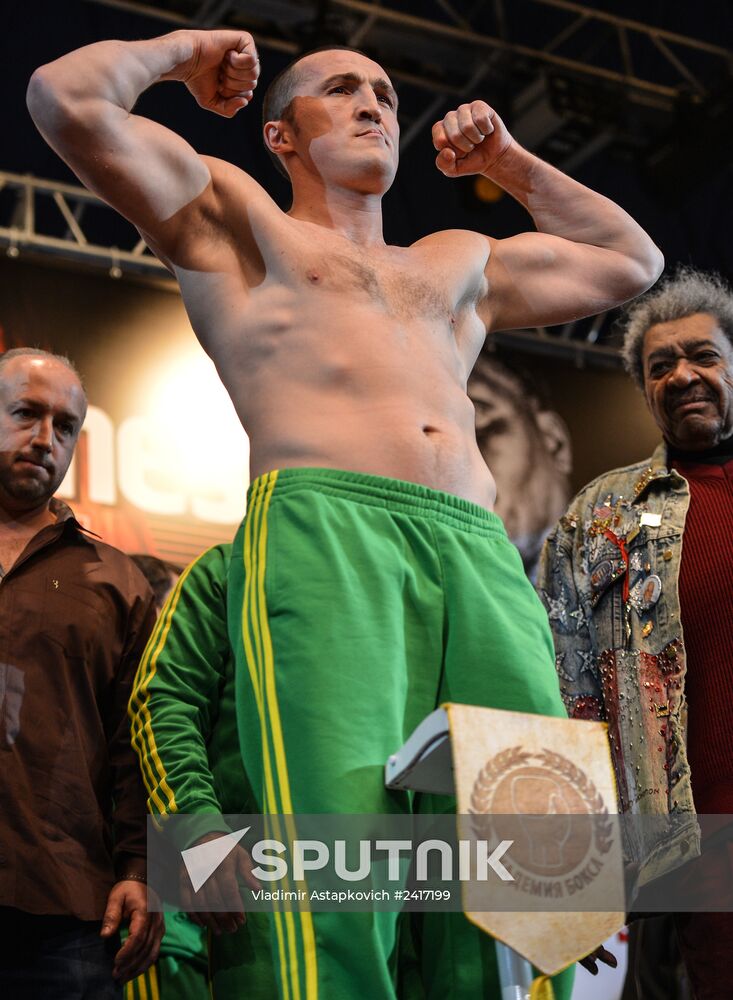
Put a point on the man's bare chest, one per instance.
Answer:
(401, 288)
(401, 282)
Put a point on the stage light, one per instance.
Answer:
(195, 444)
(486, 191)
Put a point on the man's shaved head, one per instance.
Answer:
(37, 352)
(279, 95)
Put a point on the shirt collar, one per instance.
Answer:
(65, 516)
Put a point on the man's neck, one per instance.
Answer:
(720, 452)
(25, 522)
(17, 528)
(353, 214)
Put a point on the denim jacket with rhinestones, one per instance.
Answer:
(608, 579)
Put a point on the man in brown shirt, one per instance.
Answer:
(75, 615)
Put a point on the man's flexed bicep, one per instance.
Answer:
(539, 279)
(587, 255)
(82, 104)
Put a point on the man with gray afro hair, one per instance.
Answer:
(684, 293)
(652, 648)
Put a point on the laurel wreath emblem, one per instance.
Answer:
(513, 757)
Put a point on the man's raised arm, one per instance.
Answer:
(588, 253)
(82, 104)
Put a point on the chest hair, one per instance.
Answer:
(400, 290)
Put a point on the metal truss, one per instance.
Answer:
(49, 217)
(610, 40)
(580, 343)
(566, 73)
(457, 28)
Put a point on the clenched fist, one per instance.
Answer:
(222, 71)
(469, 140)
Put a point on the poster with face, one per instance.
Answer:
(527, 446)
(545, 428)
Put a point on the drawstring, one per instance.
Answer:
(541, 989)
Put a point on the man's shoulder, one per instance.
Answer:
(622, 483)
(621, 474)
(231, 182)
(119, 567)
(456, 239)
(228, 224)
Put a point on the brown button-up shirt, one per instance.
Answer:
(75, 615)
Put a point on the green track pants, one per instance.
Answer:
(357, 605)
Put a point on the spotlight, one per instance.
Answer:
(486, 191)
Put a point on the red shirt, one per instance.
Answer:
(706, 607)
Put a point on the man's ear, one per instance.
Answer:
(278, 137)
(556, 436)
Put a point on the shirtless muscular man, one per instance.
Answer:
(370, 579)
